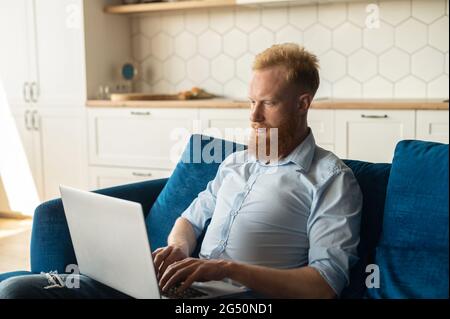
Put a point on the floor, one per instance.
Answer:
(15, 235)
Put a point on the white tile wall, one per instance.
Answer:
(406, 56)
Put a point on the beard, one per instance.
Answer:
(268, 143)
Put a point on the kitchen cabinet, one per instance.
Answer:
(17, 59)
(42, 56)
(230, 124)
(63, 137)
(432, 126)
(55, 142)
(322, 125)
(103, 177)
(371, 135)
(139, 138)
(222, 124)
(26, 121)
(60, 53)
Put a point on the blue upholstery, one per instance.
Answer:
(51, 246)
(418, 184)
(189, 178)
(372, 179)
(413, 251)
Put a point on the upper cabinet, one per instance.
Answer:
(60, 52)
(42, 56)
(17, 67)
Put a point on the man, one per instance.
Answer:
(285, 227)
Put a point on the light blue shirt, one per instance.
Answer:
(302, 210)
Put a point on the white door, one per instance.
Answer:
(60, 53)
(16, 25)
(103, 177)
(321, 123)
(432, 126)
(145, 138)
(230, 124)
(31, 143)
(63, 149)
(371, 135)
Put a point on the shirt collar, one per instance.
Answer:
(302, 155)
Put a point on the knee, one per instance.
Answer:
(21, 287)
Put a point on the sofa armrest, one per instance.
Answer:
(51, 246)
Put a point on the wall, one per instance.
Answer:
(405, 57)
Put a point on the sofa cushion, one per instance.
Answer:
(413, 251)
(198, 165)
(372, 179)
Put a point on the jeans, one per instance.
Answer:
(43, 287)
(40, 287)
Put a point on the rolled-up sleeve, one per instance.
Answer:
(333, 228)
(202, 208)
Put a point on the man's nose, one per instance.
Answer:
(257, 113)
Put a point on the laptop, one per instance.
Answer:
(111, 246)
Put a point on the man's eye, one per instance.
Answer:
(269, 103)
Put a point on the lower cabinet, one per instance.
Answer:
(432, 126)
(55, 142)
(63, 136)
(231, 124)
(103, 177)
(371, 135)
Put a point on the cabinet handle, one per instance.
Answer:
(142, 174)
(374, 116)
(27, 120)
(35, 120)
(140, 113)
(26, 87)
(34, 92)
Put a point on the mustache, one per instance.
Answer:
(256, 126)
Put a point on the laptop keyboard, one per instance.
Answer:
(189, 293)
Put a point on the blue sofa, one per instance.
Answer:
(404, 226)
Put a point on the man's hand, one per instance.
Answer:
(165, 256)
(193, 269)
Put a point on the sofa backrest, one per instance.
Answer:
(412, 255)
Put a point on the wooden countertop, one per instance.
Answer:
(372, 104)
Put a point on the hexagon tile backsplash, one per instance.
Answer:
(386, 49)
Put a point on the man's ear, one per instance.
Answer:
(304, 102)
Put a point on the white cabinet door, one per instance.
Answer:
(145, 138)
(321, 123)
(31, 144)
(371, 135)
(63, 149)
(231, 125)
(60, 53)
(432, 126)
(228, 124)
(104, 177)
(15, 65)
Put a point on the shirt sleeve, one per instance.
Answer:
(333, 229)
(202, 208)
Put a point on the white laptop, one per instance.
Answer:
(111, 246)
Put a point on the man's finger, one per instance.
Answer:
(157, 251)
(195, 276)
(179, 276)
(172, 269)
(159, 258)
